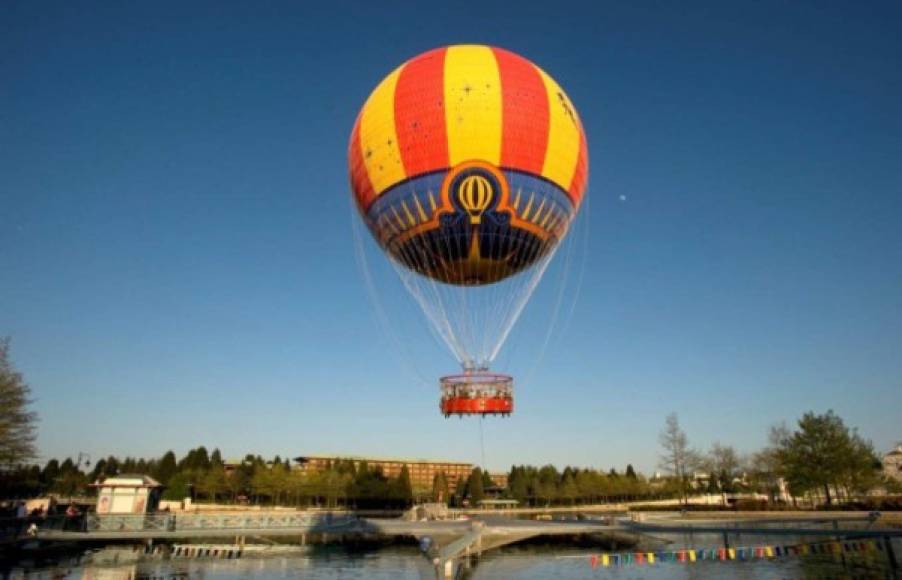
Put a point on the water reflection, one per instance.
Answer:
(530, 562)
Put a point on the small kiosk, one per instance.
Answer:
(128, 495)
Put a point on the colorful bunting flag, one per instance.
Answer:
(740, 553)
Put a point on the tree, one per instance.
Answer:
(112, 466)
(17, 422)
(403, 487)
(262, 483)
(178, 488)
(823, 454)
(50, 472)
(764, 466)
(678, 458)
(630, 472)
(864, 470)
(546, 483)
(71, 482)
(213, 483)
(239, 480)
(569, 491)
(99, 470)
(197, 459)
(440, 488)
(475, 489)
(167, 468)
(518, 484)
(460, 490)
(279, 481)
(724, 468)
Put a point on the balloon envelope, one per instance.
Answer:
(468, 163)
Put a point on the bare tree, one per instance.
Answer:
(17, 429)
(677, 459)
(724, 466)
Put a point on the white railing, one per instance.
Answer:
(197, 521)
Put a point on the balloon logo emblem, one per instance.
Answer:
(475, 194)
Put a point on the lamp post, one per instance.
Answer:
(86, 457)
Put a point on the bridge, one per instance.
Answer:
(449, 544)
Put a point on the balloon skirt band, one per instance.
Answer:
(477, 393)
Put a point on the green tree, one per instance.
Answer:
(403, 487)
(166, 468)
(50, 472)
(518, 484)
(370, 488)
(17, 421)
(440, 488)
(764, 466)
(545, 484)
(864, 470)
(177, 489)
(475, 488)
(460, 491)
(630, 472)
(262, 483)
(129, 465)
(112, 467)
(197, 459)
(99, 470)
(280, 483)
(70, 480)
(568, 489)
(239, 480)
(71, 483)
(213, 483)
(824, 455)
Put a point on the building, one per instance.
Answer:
(498, 504)
(700, 480)
(128, 494)
(892, 464)
(499, 479)
(232, 465)
(422, 471)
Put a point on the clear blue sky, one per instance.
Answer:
(177, 264)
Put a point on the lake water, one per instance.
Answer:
(530, 562)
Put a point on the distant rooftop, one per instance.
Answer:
(305, 458)
(128, 480)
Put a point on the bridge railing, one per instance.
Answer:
(129, 522)
(169, 522)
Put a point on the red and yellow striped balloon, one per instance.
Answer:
(468, 163)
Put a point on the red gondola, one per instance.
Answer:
(477, 393)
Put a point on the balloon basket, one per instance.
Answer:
(477, 393)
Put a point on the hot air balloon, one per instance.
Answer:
(468, 164)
